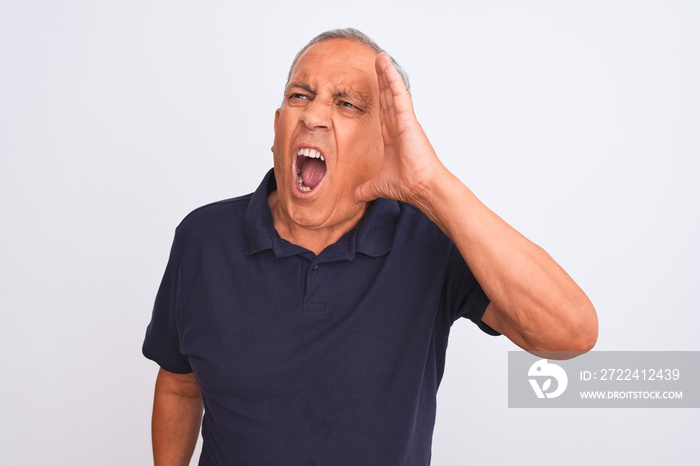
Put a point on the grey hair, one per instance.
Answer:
(350, 34)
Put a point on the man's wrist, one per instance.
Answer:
(442, 197)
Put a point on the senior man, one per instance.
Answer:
(309, 319)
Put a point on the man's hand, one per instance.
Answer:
(410, 164)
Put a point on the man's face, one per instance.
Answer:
(328, 136)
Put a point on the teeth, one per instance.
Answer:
(313, 153)
(304, 189)
(300, 183)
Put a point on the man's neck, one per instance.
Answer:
(315, 239)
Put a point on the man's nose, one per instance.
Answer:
(318, 114)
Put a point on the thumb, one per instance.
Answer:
(366, 192)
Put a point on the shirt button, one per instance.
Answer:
(315, 267)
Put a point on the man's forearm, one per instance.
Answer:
(177, 417)
(534, 301)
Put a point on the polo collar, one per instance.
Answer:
(372, 236)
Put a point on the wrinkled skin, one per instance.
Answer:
(331, 104)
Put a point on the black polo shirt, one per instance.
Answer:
(312, 360)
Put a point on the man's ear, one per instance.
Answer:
(274, 125)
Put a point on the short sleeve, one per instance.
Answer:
(162, 342)
(463, 293)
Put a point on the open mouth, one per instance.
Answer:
(311, 168)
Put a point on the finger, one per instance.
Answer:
(391, 86)
(365, 192)
(385, 96)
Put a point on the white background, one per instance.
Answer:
(578, 122)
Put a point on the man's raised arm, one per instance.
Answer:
(534, 302)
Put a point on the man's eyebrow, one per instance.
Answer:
(356, 96)
(302, 86)
(362, 97)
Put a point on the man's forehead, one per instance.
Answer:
(340, 59)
